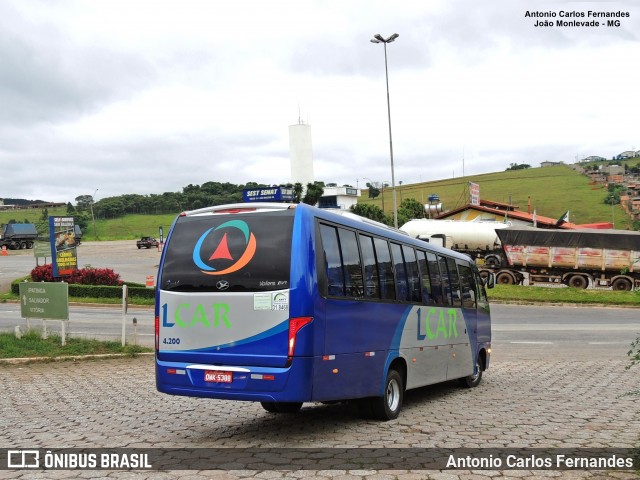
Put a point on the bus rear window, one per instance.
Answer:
(233, 253)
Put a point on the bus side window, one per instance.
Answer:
(454, 282)
(402, 290)
(427, 297)
(413, 278)
(444, 278)
(333, 262)
(371, 277)
(468, 286)
(352, 266)
(387, 283)
(436, 278)
(481, 292)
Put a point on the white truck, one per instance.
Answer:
(477, 239)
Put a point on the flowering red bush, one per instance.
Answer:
(81, 276)
(42, 273)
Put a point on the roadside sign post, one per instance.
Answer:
(41, 250)
(46, 301)
(125, 305)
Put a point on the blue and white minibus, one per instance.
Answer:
(284, 304)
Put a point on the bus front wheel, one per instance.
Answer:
(387, 407)
(281, 407)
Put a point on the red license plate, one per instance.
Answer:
(218, 376)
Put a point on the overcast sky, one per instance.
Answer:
(151, 96)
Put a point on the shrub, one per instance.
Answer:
(81, 276)
(42, 273)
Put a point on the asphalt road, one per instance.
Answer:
(519, 331)
(122, 256)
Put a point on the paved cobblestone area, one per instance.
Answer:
(113, 403)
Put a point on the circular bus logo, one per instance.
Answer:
(223, 260)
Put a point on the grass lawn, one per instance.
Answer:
(532, 294)
(32, 345)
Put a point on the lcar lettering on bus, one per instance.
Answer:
(186, 316)
(441, 329)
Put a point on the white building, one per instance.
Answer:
(339, 197)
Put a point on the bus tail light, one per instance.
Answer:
(157, 328)
(295, 324)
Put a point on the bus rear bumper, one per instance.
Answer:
(258, 384)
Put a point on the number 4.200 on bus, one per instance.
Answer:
(284, 304)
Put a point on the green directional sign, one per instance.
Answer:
(44, 300)
(42, 249)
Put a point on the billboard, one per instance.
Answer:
(474, 193)
(63, 245)
(267, 194)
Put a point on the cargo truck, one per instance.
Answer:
(576, 258)
(16, 236)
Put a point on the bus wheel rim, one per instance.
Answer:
(393, 395)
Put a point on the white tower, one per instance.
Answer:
(301, 153)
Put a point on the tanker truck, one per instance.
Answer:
(576, 258)
(476, 239)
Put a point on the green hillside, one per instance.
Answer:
(128, 227)
(551, 190)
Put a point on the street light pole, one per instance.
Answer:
(380, 39)
(93, 199)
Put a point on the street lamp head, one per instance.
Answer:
(377, 38)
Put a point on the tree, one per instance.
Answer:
(314, 192)
(297, 192)
(373, 191)
(516, 166)
(82, 220)
(372, 212)
(409, 209)
(84, 202)
(615, 191)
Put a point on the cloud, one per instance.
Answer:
(148, 97)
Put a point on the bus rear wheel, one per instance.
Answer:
(474, 379)
(281, 407)
(387, 407)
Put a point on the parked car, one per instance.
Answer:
(147, 242)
